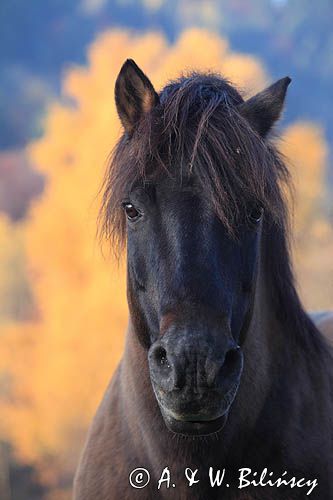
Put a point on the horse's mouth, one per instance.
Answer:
(200, 422)
(198, 427)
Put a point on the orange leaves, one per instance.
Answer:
(14, 292)
(305, 147)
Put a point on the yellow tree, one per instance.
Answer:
(305, 147)
(14, 291)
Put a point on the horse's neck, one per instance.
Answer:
(287, 371)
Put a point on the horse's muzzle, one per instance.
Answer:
(195, 391)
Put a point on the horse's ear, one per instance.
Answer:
(135, 95)
(264, 109)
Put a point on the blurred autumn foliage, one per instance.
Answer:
(15, 299)
(18, 183)
(305, 147)
(54, 366)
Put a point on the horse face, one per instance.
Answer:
(190, 284)
(194, 284)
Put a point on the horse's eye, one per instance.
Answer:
(256, 214)
(131, 212)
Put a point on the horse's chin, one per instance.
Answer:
(194, 427)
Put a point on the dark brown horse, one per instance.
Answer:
(223, 370)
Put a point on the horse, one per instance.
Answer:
(224, 389)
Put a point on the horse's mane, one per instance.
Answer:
(197, 131)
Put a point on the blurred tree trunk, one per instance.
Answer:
(4, 474)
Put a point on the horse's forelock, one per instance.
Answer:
(197, 131)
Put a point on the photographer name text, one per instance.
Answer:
(140, 478)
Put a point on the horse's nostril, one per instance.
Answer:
(161, 357)
(161, 367)
(231, 357)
